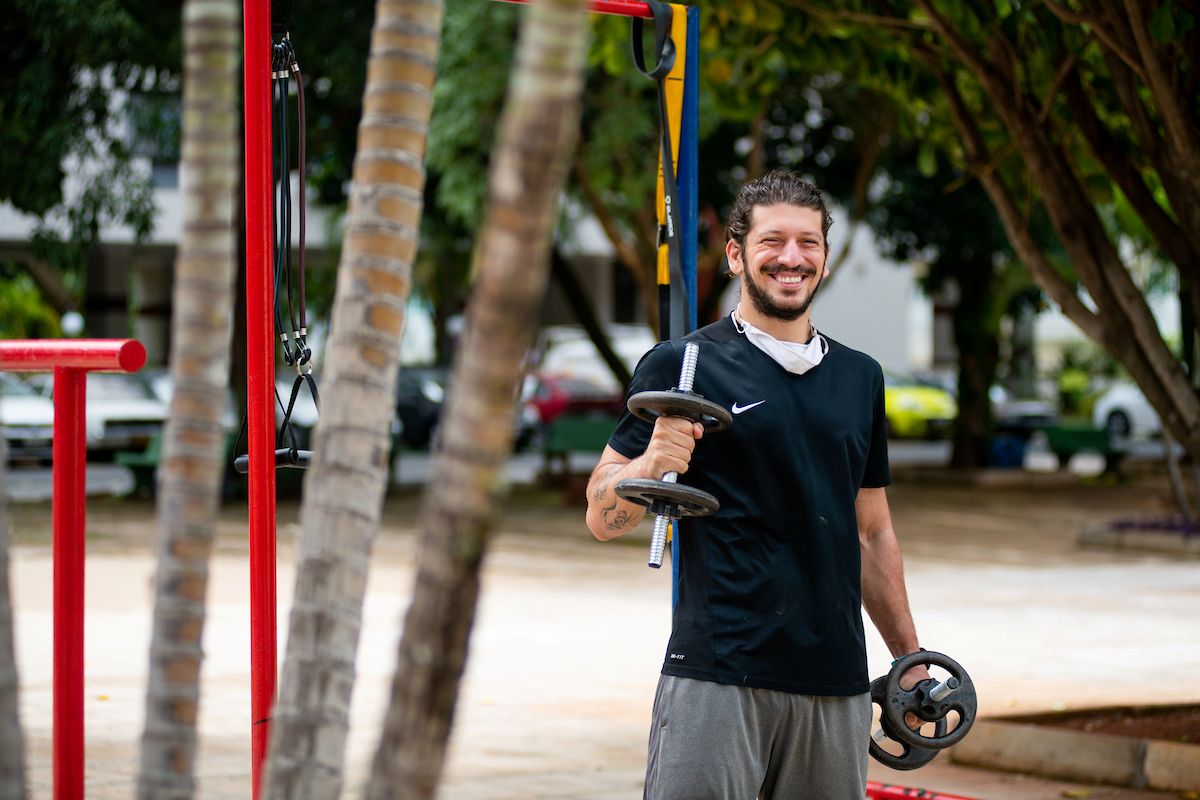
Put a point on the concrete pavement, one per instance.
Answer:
(570, 634)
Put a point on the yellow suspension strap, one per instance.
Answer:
(670, 43)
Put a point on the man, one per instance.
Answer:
(764, 687)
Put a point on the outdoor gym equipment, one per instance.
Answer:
(70, 361)
(930, 700)
(665, 498)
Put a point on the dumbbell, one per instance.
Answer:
(665, 498)
(929, 700)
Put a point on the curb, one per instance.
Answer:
(1140, 540)
(1078, 756)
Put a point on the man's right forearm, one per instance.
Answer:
(609, 516)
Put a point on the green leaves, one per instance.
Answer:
(927, 160)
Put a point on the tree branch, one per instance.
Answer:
(1109, 154)
(1067, 68)
(626, 253)
(50, 284)
(1125, 86)
(1179, 130)
(1010, 217)
(899, 23)
(1097, 28)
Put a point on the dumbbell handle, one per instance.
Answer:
(937, 693)
(658, 537)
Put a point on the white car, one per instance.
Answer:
(567, 352)
(1125, 413)
(122, 412)
(27, 421)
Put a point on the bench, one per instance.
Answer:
(575, 433)
(1067, 440)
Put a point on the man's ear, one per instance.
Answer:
(733, 254)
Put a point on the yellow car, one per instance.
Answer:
(916, 410)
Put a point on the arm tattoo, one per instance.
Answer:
(602, 484)
(620, 519)
(602, 487)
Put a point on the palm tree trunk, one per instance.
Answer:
(462, 502)
(343, 494)
(12, 745)
(194, 440)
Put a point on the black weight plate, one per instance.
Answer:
(899, 702)
(913, 757)
(649, 406)
(666, 498)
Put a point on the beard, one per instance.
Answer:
(767, 306)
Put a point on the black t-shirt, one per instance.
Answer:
(769, 586)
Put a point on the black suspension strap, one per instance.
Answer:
(293, 333)
(672, 294)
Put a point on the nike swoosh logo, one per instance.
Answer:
(739, 409)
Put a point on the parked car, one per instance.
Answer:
(163, 386)
(27, 420)
(420, 393)
(122, 412)
(555, 395)
(566, 351)
(420, 396)
(1020, 417)
(915, 409)
(1125, 413)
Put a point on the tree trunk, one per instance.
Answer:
(977, 341)
(461, 505)
(194, 440)
(12, 745)
(343, 493)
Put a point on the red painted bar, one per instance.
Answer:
(69, 525)
(887, 791)
(94, 355)
(70, 360)
(620, 8)
(260, 377)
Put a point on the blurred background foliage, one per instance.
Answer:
(858, 95)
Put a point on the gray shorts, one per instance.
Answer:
(711, 741)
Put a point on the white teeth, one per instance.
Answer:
(789, 278)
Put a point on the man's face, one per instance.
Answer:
(783, 263)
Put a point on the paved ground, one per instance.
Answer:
(570, 635)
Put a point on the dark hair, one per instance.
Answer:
(776, 187)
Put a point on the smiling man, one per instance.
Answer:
(764, 684)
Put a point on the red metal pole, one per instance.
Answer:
(621, 8)
(260, 377)
(70, 361)
(68, 522)
(886, 791)
(94, 355)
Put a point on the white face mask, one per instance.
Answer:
(795, 357)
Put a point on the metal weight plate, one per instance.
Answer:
(668, 499)
(896, 702)
(913, 757)
(649, 406)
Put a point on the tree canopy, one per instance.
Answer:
(1078, 120)
(1085, 113)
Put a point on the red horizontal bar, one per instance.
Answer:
(95, 355)
(887, 791)
(621, 8)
